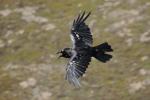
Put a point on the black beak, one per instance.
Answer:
(59, 52)
(59, 56)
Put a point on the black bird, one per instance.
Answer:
(82, 51)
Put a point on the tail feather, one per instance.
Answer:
(104, 47)
(103, 57)
(100, 52)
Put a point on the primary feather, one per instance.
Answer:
(80, 32)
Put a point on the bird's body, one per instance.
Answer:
(82, 51)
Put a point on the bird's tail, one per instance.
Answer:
(100, 52)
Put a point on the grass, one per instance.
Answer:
(36, 46)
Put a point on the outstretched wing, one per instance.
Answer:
(82, 38)
(80, 32)
(77, 67)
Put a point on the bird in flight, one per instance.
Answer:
(82, 50)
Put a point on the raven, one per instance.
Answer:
(82, 51)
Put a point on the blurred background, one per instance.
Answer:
(32, 31)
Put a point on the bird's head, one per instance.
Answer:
(64, 53)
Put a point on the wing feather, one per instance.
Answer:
(77, 67)
(80, 32)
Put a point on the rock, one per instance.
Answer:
(46, 95)
(144, 58)
(2, 44)
(132, 2)
(8, 33)
(28, 14)
(5, 12)
(20, 32)
(142, 72)
(28, 83)
(134, 87)
(147, 82)
(10, 41)
(11, 66)
(48, 27)
(129, 41)
(24, 84)
(38, 94)
(115, 27)
(145, 37)
(31, 82)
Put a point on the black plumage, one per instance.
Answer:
(82, 51)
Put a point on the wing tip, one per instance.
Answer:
(74, 82)
(81, 17)
(86, 16)
(72, 79)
